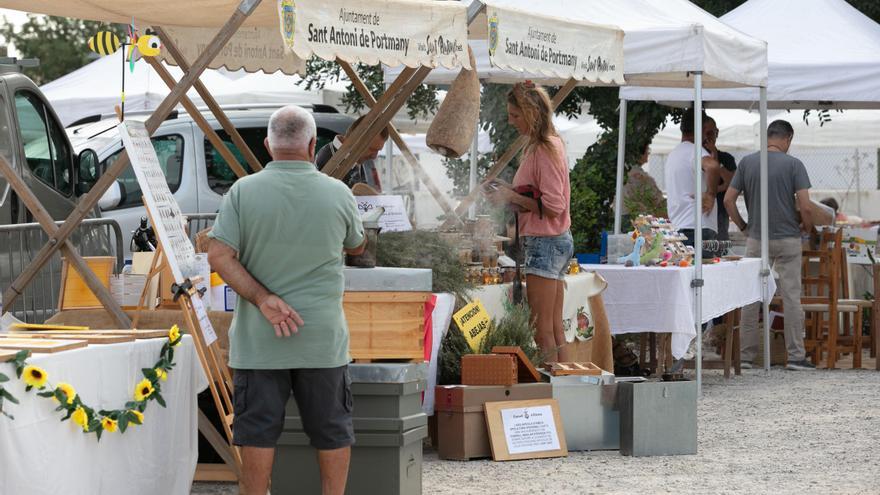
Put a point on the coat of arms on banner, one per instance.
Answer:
(493, 33)
(287, 15)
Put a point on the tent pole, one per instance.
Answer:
(621, 156)
(698, 224)
(472, 175)
(765, 231)
(389, 159)
(88, 202)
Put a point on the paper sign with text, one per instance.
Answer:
(473, 321)
(394, 219)
(530, 429)
(168, 221)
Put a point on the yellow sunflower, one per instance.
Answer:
(174, 335)
(34, 376)
(108, 424)
(139, 415)
(80, 417)
(143, 390)
(162, 374)
(68, 390)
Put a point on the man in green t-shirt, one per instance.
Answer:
(279, 239)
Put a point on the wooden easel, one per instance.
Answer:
(219, 378)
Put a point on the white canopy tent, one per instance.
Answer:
(96, 88)
(822, 54)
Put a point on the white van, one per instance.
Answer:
(197, 175)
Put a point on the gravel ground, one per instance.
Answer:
(789, 432)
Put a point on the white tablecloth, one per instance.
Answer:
(41, 455)
(655, 299)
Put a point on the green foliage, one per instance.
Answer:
(61, 43)
(422, 104)
(594, 175)
(423, 249)
(513, 329)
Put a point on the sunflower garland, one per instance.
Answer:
(5, 394)
(85, 417)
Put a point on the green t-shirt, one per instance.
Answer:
(289, 224)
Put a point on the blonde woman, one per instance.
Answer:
(541, 196)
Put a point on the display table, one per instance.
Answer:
(41, 455)
(661, 300)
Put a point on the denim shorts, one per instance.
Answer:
(548, 257)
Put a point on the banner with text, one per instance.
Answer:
(251, 48)
(393, 32)
(554, 47)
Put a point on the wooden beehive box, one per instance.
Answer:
(386, 325)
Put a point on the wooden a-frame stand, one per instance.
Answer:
(219, 378)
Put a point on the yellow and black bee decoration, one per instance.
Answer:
(104, 43)
(107, 43)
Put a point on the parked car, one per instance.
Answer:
(197, 174)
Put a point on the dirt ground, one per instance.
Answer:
(789, 432)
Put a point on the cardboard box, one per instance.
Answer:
(461, 421)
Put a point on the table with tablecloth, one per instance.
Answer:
(41, 455)
(661, 300)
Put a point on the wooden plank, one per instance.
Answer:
(6, 355)
(41, 326)
(386, 296)
(564, 369)
(87, 203)
(410, 158)
(214, 472)
(220, 445)
(136, 333)
(508, 155)
(41, 345)
(88, 337)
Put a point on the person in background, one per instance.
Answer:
(641, 196)
(365, 170)
(839, 216)
(788, 189)
(541, 195)
(726, 170)
(278, 241)
(681, 202)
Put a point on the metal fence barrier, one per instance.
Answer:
(197, 222)
(20, 243)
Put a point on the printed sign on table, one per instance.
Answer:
(394, 219)
(393, 32)
(473, 321)
(550, 46)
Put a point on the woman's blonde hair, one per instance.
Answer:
(534, 103)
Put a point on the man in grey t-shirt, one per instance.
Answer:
(788, 189)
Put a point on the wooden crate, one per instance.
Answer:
(386, 325)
